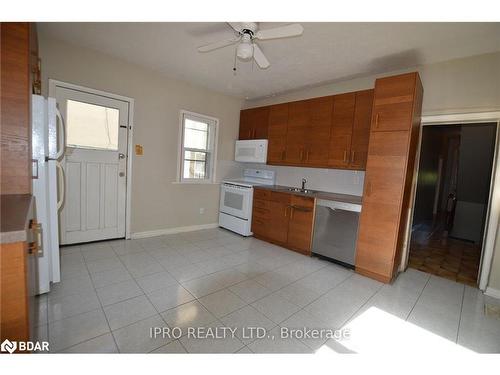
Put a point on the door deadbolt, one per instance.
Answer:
(121, 156)
(121, 174)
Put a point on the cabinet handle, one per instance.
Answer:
(302, 155)
(376, 120)
(36, 247)
(352, 156)
(291, 211)
(307, 155)
(345, 156)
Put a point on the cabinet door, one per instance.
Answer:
(278, 223)
(379, 221)
(277, 132)
(300, 226)
(253, 123)
(298, 121)
(341, 131)
(260, 120)
(318, 134)
(393, 102)
(361, 129)
(245, 124)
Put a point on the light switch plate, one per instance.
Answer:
(139, 150)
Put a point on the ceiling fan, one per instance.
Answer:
(247, 34)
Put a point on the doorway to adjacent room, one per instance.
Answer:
(452, 200)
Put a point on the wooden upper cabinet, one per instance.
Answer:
(298, 123)
(254, 123)
(393, 104)
(15, 95)
(341, 132)
(318, 133)
(324, 132)
(277, 131)
(361, 129)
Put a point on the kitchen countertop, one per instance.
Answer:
(318, 194)
(14, 217)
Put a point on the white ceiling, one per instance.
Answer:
(326, 52)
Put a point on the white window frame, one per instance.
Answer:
(213, 133)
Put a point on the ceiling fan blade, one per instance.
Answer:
(295, 29)
(259, 57)
(217, 45)
(237, 26)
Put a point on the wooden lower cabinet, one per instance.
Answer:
(18, 275)
(284, 219)
(300, 224)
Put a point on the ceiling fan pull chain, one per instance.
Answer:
(234, 65)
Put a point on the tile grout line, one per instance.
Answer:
(460, 318)
(102, 307)
(418, 298)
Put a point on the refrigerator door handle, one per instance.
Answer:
(62, 184)
(62, 135)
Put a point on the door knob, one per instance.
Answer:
(121, 156)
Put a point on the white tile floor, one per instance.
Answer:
(113, 292)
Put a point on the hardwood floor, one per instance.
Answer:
(446, 257)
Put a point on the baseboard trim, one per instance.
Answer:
(491, 292)
(162, 232)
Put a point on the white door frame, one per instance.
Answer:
(493, 211)
(53, 84)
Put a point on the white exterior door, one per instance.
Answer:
(95, 166)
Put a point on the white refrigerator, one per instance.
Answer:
(48, 147)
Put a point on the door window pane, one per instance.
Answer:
(92, 126)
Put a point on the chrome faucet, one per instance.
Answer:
(304, 184)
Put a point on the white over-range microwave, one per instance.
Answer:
(251, 151)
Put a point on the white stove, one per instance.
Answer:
(236, 198)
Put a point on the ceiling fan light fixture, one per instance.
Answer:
(245, 50)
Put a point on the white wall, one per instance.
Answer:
(157, 203)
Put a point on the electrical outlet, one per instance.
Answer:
(202, 211)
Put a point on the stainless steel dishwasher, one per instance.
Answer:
(336, 230)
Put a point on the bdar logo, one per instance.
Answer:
(8, 346)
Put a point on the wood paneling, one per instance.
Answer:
(15, 91)
(340, 138)
(388, 178)
(277, 131)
